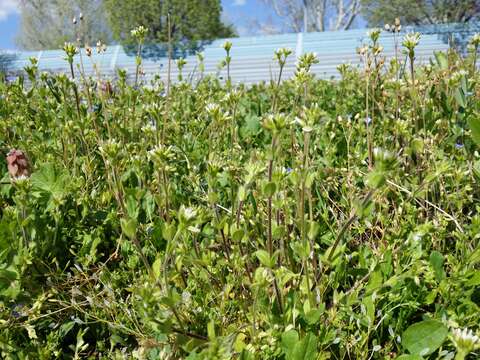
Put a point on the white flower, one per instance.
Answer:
(411, 40)
(111, 147)
(465, 340)
(186, 298)
(21, 179)
(149, 128)
(212, 109)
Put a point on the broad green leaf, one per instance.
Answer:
(211, 330)
(246, 355)
(289, 339)
(157, 267)
(51, 180)
(375, 281)
(168, 231)
(242, 193)
(474, 124)
(409, 357)
(129, 227)
(148, 205)
(442, 60)
(313, 316)
(376, 179)
(424, 337)
(460, 98)
(51, 184)
(238, 235)
(417, 145)
(306, 349)
(474, 280)
(474, 257)
(239, 343)
(264, 258)
(270, 189)
(132, 206)
(436, 260)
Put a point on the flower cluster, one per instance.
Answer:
(465, 341)
(139, 33)
(70, 50)
(410, 42)
(282, 54)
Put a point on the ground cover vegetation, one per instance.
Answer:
(295, 219)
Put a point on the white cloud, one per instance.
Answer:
(8, 7)
(236, 2)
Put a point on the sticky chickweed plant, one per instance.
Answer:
(296, 219)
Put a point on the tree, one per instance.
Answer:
(316, 15)
(191, 20)
(418, 12)
(48, 24)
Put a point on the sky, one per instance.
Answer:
(244, 14)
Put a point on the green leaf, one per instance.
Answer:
(132, 206)
(376, 179)
(460, 98)
(51, 180)
(129, 227)
(289, 339)
(442, 60)
(409, 357)
(264, 258)
(474, 280)
(211, 330)
(242, 193)
(270, 189)
(168, 231)
(417, 145)
(306, 349)
(424, 337)
(313, 316)
(238, 235)
(474, 124)
(148, 205)
(301, 249)
(246, 355)
(51, 184)
(157, 267)
(436, 260)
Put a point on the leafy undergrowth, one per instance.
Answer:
(300, 219)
